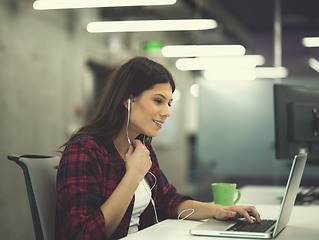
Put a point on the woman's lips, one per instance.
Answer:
(158, 123)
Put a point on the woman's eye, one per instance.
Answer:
(159, 101)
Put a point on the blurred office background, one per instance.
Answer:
(52, 70)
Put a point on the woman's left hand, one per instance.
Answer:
(226, 212)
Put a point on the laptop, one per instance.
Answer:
(217, 228)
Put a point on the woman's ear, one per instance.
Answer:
(127, 103)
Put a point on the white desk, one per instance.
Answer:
(303, 224)
(265, 195)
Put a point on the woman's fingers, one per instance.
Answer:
(138, 158)
(250, 211)
(239, 211)
(253, 212)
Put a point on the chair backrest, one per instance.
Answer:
(40, 178)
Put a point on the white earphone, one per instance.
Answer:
(128, 119)
(129, 104)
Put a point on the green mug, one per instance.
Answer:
(223, 193)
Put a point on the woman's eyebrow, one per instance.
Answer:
(163, 96)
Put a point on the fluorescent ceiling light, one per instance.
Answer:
(271, 72)
(314, 64)
(247, 61)
(67, 4)
(245, 74)
(229, 74)
(202, 50)
(310, 41)
(152, 25)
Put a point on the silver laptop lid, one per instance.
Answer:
(291, 191)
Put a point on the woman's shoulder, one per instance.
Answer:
(83, 140)
(86, 145)
(88, 142)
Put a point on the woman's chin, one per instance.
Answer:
(152, 134)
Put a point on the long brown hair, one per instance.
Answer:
(130, 79)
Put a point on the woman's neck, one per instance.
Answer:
(121, 143)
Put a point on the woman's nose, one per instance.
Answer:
(166, 112)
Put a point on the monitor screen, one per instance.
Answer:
(296, 110)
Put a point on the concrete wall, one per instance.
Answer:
(43, 70)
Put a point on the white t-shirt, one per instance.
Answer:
(142, 199)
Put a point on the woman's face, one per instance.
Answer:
(150, 110)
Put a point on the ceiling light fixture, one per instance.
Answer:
(314, 64)
(229, 74)
(202, 50)
(152, 25)
(246, 74)
(247, 61)
(271, 72)
(68, 4)
(310, 41)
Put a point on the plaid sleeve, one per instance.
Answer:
(165, 194)
(79, 183)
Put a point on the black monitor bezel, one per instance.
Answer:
(284, 97)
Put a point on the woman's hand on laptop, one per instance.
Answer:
(205, 210)
(226, 212)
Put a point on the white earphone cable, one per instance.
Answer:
(152, 201)
(128, 119)
(188, 209)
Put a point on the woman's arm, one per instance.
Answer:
(115, 206)
(208, 210)
(137, 163)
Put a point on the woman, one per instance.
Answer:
(109, 183)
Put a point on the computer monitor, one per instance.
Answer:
(296, 110)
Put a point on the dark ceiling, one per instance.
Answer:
(255, 28)
(246, 22)
(257, 15)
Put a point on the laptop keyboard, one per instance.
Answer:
(245, 226)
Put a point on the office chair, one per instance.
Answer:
(40, 178)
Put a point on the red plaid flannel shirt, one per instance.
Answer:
(88, 173)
